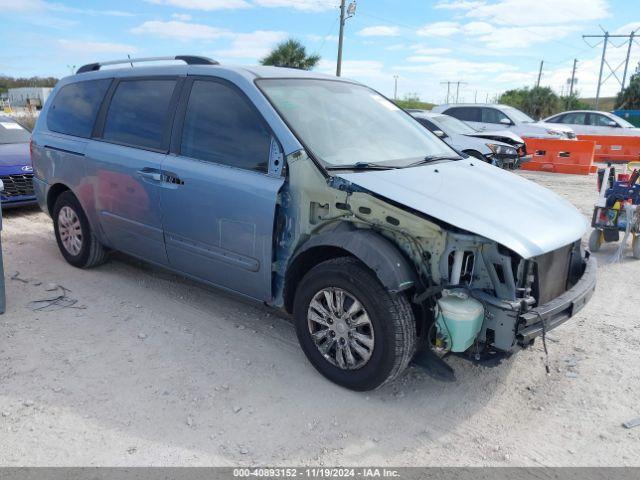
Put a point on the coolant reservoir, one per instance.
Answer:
(462, 316)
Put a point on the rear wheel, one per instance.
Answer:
(75, 240)
(595, 240)
(350, 327)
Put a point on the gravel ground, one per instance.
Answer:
(150, 369)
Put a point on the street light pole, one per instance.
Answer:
(395, 87)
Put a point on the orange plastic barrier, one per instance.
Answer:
(615, 148)
(560, 156)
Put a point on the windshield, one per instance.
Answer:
(344, 124)
(517, 116)
(622, 122)
(11, 132)
(451, 125)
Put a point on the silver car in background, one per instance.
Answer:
(494, 116)
(593, 122)
(464, 139)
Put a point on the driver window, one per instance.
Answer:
(600, 120)
(578, 118)
(491, 115)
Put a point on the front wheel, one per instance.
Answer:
(595, 240)
(350, 327)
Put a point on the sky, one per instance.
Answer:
(488, 45)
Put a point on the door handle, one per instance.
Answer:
(150, 174)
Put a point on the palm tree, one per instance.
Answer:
(291, 53)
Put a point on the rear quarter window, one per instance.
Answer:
(75, 107)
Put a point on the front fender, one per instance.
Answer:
(393, 270)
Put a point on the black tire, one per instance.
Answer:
(391, 317)
(91, 252)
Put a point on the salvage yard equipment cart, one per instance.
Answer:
(617, 210)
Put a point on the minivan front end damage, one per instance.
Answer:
(522, 296)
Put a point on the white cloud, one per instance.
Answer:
(82, 46)
(183, 17)
(420, 49)
(304, 5)
(379, 31)
(540, 12)
(439, 29)
(423, 58)
(628, 28)
(477, 28)
(254, 45)
(21, 5)
(182, 31)
(458, 5)
(356, 69)
(206, 5)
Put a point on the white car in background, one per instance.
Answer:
(495, 116)
(592, 122)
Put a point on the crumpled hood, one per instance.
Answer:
(553, 126)
(498, 135)
(488, 201)
(14, 154)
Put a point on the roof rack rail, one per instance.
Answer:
(188, 59)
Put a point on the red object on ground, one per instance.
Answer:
(560, 156)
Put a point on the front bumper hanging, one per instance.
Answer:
(560, 309)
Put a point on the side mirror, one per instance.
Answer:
(611, 123)
(506, 121)
(439, 133)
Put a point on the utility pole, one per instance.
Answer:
(457, 84)
(573, 79)
(345, 13)
(626, 62)
(448, 89)
(395, 87)
(604, 55)
(458, 89)
(540, 73)
(603, 61)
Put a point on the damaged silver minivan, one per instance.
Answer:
(314, 195)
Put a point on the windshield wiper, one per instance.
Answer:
(433, 158)
(361, 166)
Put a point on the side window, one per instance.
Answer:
(466, 114)
(492, 115)
(139, 113)
(576, 118)
(600, 120)
(220, 126)
(558, 119)
(75, 107)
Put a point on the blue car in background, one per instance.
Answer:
(16, 171)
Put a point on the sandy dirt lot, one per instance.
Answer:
(156, 370)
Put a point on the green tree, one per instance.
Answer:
(412, 100)
(7, 82)
(629, 98)
(291, 53)
(537, 102)
(573, 102)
